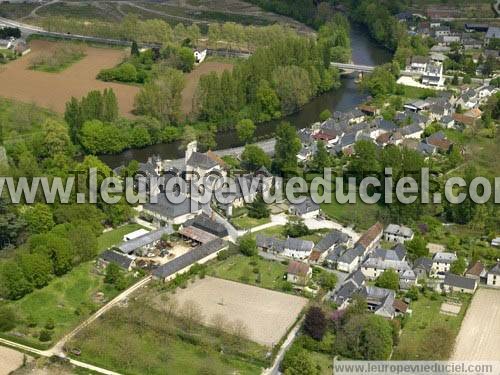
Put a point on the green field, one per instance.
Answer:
(67, 300)
(250, 270)
(144, 339)
(115, 236)
(246, 222)
(426, 314)
(360, 214)
(20, 119)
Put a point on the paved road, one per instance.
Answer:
(30, 29)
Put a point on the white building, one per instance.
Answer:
(441, 263)
(433, 74)
(493, 278)
(398, 233)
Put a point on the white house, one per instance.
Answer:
(441, 263)
(296, 248)
(493, 278)
(398, 233)
(306, 210)
(350, 259)
(298, 273)
(382, 260)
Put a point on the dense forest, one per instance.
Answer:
(276, 80)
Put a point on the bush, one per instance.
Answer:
(45, 335)
(248, 245)
(7, 319)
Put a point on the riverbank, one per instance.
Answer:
(365, 51)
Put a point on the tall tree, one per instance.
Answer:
(315, 323)
(286, 149)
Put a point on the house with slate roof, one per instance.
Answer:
(307, 209)
(109, 256)
(454, 283)
(494, 276)
(183, 263)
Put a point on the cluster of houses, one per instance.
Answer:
(473, 36)
(340, 132)
(434, 272)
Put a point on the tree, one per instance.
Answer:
(258, 209)
(458, 267)
(455, 80)
(327, 280)
(38, 218)
(134, 49)
(437, 343)
(325, 115)
(365, 337)
(296, 228)
(417, 248)
(254, 157)
(247, 245)
(286, 149)
(186, 59)
(412, 293)
(110, 106)
(161, 98)
(365, 160)
(300, 364)
(37, 269)
(15, 283)
(389, 279)
(113, 275)
(73, 117)
(321, 158)
(379, 82)
(466, 79)
(293, 87)
(245, 129)
(315, 323)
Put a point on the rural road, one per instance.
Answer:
(275, 369)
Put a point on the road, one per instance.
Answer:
(275, 369)
(29, 29)
(58, 348)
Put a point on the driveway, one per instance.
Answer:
(319, 223)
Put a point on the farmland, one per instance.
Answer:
(53, 90)
(481, 326)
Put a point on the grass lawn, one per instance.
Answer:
(115, 236)
(67, 300)
(425, 314)
(142, 338)
(362, 215)
(246, 222)
(250, 270)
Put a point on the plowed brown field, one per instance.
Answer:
(53, 90)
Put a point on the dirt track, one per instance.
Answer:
(267, 314)
(53, 90)
(193, 78)
(479, 337)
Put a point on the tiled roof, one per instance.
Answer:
(298, 268)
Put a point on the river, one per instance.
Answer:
(364, 51)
